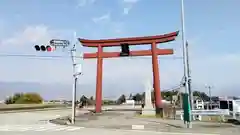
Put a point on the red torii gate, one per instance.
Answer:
(154, 52)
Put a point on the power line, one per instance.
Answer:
(29, 55)
(67, 57)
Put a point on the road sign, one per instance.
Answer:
(78, 69)
(59, 43)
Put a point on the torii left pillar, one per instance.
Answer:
(98, 99)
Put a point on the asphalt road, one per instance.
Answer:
(28, 123)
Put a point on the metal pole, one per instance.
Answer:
(184, 49)
(186, 76)
(74, 85)
(189, 79)
(65, 43)
(74, 100)
(210, 97)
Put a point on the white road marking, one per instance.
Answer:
(76, 128)
(38, 127)
(165, 133)
(137, 126)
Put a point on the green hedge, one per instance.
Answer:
(24, 98)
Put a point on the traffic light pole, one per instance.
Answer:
(75, 77)
(76, 71)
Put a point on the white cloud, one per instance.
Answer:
(130, 1)
(31, 34)
(103, 18)
(34, 69)
(35, 34)
(128, 5)
(82, 3)
(126, 10)
(106, 24)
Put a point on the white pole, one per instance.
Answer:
(186, 76)
(73, 51)
(184, 48)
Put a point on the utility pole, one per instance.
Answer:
(189, 80)
(77, 70)
(210, 96)
(73, 52)
(186, 70)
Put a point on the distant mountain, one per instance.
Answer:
(111, 90)
(46, 90)
(64, 91)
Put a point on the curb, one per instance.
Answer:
(140, 128)
(64, 122)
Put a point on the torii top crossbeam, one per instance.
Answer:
(131, 41)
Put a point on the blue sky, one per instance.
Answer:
(212, 29)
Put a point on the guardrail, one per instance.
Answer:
(198, 114)
(112, 107)
(207, 112)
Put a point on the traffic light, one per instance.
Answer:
(125, 50)
(44, 48)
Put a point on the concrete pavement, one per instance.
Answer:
(49, 127)
(37, 123)
(33, 121)
(89, 131)
(31, 117)
(127, 120)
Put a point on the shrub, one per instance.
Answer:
(26, 98)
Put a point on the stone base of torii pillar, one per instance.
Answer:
(148, 109)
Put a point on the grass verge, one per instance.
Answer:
(28, 106)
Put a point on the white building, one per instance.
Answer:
(198, 103)
(129, 102)
(2, 102)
